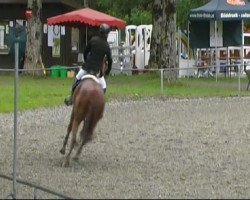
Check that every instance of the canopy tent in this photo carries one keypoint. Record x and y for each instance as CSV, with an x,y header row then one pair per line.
x,y
201,35
219,23
229,13
86,16
225,10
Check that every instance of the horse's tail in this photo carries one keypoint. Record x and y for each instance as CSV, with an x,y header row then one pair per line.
x,y
94,102
93,115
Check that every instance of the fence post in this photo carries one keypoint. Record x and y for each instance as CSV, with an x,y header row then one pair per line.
x,y
161,80
239,74
35,193
15,113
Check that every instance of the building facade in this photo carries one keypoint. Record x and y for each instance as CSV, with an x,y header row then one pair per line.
x,y
60,44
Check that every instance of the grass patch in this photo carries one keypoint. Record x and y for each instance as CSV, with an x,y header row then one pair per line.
x,y
46,92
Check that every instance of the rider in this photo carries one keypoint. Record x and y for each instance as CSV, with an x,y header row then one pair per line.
x,y
95,53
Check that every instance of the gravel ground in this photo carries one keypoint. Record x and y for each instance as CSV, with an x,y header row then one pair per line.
x,y
156,148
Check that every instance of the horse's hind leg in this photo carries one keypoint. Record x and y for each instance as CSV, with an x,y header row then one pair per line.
x,y
73,142
83,133
62,151
86,134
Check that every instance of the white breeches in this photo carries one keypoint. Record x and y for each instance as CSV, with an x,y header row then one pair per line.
x,y
82,72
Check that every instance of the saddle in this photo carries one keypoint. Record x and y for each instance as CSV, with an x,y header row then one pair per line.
x,y
92,72
93,77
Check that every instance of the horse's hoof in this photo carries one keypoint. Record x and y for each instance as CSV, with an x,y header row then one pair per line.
x,y
65,163
62,151
76,144
76,158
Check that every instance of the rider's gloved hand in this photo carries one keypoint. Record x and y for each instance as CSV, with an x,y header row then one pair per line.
x,y
100,74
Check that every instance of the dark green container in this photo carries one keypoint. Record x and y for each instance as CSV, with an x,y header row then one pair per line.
x,y
55,71
63,72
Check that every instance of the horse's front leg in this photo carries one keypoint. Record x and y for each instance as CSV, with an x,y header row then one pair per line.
x,y
62,151
72,145
67,159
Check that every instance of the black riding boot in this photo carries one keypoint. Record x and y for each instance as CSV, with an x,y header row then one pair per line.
x,y
69,101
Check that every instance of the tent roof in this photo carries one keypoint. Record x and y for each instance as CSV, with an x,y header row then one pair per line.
x,y
86,16
222,10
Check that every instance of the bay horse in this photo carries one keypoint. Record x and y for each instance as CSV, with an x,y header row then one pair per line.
x,y
88,107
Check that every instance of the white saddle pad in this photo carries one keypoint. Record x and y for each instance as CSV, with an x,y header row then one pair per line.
x,y
92,77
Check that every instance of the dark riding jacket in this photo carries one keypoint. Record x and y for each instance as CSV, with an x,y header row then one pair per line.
x,y
94,54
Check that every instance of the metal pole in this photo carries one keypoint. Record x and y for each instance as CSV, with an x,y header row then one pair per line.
x,y
216,51
36,187
35,193
241,67
15,115
161,80
179,49
239,72
144,55
188,47
86,35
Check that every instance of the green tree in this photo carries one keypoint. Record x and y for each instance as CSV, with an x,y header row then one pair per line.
x,y
86,3
163,43
164,15
183,9
138,12
34,39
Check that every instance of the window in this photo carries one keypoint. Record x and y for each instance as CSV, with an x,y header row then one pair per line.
x,y
75,39
4,37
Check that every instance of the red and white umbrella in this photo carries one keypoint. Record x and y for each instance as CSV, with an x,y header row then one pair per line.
x,y
86,16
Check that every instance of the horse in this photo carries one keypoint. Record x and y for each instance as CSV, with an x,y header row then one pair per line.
x,y
88,107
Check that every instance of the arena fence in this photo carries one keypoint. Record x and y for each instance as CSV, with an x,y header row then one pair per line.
x,y
35,187
239,72
14,178
116,70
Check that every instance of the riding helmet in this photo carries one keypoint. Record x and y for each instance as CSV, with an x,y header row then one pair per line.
x,y
104,29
